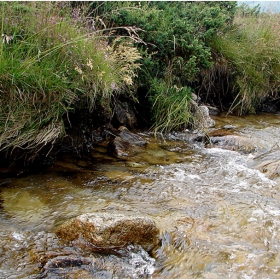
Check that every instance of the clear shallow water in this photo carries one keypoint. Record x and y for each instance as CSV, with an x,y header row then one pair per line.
x,y
219,216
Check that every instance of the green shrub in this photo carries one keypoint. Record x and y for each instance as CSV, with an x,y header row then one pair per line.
x,y
176,36
171,31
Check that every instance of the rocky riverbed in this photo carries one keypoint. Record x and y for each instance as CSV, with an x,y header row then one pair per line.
x,y
206,203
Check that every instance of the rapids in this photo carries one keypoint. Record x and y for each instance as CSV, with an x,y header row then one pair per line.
x,y
218,213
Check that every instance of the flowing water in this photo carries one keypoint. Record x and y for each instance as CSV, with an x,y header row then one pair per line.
x,y
219,214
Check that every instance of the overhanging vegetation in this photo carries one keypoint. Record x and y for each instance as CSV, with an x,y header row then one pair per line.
x,y
58,57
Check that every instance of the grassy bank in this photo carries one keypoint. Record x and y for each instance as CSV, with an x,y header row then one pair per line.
x,y
60,57
249,53
53,60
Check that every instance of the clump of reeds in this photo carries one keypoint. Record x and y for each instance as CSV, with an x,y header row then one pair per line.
x,y
252,52
171,106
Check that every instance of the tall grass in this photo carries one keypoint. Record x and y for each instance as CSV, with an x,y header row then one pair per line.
x,y
171,106
252,54
52,62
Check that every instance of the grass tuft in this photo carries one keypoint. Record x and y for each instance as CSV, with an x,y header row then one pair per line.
x,y
171,106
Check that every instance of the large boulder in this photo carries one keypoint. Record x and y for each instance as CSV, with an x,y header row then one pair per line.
x,y
109,230
202,117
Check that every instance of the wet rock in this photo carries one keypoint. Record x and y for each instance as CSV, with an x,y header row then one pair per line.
x,y
70,267
67,261
119,148
131,138
108,231
202,118
124,114
122,146
234,143
271,168
269,163
213,111
188,137
109,132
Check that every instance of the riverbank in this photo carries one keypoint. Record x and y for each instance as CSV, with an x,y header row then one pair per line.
x,y
85,68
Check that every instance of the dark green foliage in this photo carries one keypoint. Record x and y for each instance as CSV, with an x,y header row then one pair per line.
x,y
173,31
176,34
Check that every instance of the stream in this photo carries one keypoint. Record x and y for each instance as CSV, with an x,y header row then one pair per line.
x,y
218,209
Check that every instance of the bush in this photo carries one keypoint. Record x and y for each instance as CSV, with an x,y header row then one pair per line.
x,y
176,36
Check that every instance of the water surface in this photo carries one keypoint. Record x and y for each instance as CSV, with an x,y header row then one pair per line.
x,y
219,215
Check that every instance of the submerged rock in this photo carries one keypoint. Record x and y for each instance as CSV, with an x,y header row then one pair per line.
x,y
271,168
269,163
234,143
108,231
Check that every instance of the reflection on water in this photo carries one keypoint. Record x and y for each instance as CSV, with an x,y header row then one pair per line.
x,y
219,216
